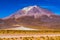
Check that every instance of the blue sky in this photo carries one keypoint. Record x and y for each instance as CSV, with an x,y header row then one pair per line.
x,y
8,7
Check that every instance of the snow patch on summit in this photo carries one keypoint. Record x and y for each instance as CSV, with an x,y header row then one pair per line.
x,y
26,9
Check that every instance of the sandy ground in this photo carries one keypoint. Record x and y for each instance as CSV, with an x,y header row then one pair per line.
x,y
20,28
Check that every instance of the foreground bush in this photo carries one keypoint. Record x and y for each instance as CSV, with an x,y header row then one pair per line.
x,y
34,38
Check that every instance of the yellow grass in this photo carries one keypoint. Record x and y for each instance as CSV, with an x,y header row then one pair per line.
x,y
26,33
30,31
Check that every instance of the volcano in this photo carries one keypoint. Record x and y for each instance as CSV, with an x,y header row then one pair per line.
x,y
35,11
33,17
